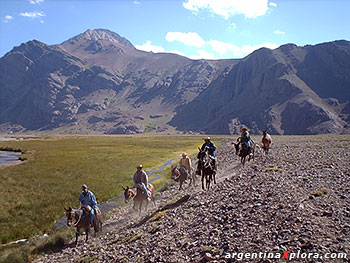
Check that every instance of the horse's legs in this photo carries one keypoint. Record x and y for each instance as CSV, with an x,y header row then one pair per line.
x,y
77,235
243,160
87,234
203,181
140,206
180,185
208,176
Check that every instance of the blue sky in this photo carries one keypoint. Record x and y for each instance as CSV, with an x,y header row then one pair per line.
x,y
209,29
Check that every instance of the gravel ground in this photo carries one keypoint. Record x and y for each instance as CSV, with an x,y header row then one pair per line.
x,y
295,199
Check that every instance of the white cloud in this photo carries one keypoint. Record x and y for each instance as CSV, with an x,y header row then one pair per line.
x,y
236,51
176,52
273,4
222,47
33,15
7,18
149,47
279,32
247,49
203,55
156,49
189,39
34,2
136,2
227,8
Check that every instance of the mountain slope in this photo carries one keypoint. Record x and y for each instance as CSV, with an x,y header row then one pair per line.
x,y
268,89
98,82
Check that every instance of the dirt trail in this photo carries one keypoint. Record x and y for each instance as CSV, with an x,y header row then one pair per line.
x,y
296,199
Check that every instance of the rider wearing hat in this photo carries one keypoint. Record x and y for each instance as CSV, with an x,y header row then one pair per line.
x,y
245,139
208,144
245,136
185,163
87,198
140,177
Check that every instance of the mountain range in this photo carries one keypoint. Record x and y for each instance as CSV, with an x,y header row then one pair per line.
x,y
99,83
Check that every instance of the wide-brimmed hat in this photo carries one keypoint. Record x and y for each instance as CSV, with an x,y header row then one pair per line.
x,y
139,166
244,129
84,186
206,138
183,154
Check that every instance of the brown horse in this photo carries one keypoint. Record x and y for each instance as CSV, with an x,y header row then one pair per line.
x,y
180,175
82,221
266,141
138,195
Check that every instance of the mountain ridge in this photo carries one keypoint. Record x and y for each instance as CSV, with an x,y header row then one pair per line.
x,y
98,82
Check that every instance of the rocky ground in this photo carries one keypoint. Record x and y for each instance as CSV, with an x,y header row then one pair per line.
x,y
296,199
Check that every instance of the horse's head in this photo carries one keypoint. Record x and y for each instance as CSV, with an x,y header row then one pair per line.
x,y
264,132
70,214
174,172
202,154
127,194
236,145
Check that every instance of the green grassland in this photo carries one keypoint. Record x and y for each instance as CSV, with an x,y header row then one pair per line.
x,y
34,193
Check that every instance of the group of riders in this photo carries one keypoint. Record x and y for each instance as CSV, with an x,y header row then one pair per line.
x,y
140,177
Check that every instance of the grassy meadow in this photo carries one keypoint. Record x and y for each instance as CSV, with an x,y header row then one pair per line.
x,y
34,193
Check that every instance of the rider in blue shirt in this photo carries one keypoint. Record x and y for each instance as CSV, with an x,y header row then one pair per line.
x,y
88,198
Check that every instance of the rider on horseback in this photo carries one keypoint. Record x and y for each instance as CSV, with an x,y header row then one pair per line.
x,y
185,163
87,198
141,178
245,141
210,146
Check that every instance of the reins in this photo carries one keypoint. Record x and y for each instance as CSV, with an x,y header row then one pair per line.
x,y
78,221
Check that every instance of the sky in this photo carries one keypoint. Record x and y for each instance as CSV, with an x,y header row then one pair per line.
x,y
210,29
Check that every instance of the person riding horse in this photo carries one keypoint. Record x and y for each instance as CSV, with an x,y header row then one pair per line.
x,y
210,146
87,198
186,165
140,177
245,141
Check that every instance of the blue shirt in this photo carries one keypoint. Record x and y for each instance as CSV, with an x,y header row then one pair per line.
x,y
88,199
245,138
211,146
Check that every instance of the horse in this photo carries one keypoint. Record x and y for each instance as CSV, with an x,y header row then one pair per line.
x,y
206,167
82,221
245,151
138,195
266,141
180,175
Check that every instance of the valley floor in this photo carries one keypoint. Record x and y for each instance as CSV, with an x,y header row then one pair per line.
x,y
296,199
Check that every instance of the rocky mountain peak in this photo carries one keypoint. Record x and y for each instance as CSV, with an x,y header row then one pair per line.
x,y
100,34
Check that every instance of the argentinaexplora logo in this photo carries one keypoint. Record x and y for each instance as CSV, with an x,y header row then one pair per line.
x,y
286,254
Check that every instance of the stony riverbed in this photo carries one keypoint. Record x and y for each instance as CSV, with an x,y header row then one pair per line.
x,y
295,199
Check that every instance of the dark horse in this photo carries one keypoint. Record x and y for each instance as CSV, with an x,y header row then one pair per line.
x,y
82,221
206,167
244,151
